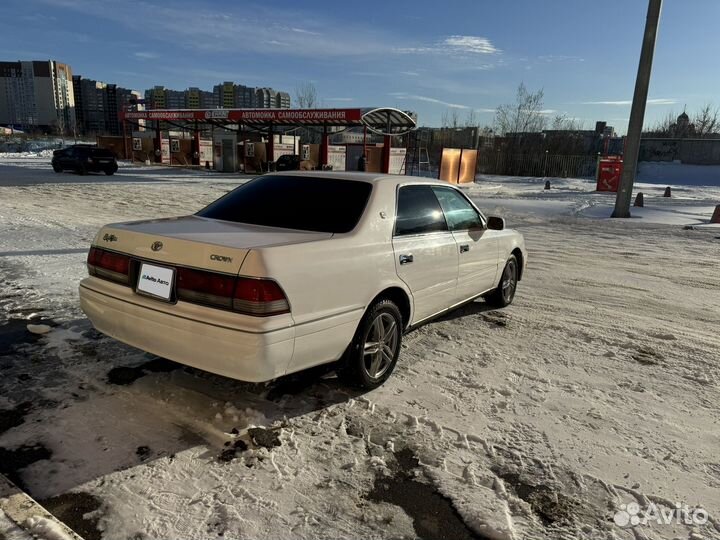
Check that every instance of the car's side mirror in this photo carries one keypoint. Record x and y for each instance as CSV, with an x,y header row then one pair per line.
x,y
496,223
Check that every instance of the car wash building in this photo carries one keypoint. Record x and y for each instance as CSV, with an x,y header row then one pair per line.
x,y
252,140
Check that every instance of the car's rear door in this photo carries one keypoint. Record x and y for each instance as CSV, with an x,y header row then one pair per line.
x,y
65,158
426,254
478,247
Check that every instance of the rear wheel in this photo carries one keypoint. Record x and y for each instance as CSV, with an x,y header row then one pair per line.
x,y
373,353
109,172
505,292
82,170
57,169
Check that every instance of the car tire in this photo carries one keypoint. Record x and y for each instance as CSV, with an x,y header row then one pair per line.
x,y
109,172
57,169
504,294
367,367
82,170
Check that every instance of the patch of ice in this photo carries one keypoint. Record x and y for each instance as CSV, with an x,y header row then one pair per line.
x,y
38,328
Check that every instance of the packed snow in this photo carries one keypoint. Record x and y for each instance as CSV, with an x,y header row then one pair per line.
x,y
597,389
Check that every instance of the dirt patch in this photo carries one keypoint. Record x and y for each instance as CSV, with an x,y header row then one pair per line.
x,y
73,510
550,505
647,356
495,318
13,333
14,460
125,375
10,418
434,517
267,438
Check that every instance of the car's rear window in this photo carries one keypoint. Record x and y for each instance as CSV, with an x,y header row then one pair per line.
x,y
294,202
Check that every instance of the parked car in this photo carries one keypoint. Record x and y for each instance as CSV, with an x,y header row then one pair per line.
x,y
288,162
294,270
84,158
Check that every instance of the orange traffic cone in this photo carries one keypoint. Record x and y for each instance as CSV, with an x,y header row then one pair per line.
x,y
639,200
716,215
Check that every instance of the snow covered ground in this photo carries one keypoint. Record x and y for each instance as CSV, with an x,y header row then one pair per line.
x,y
597,389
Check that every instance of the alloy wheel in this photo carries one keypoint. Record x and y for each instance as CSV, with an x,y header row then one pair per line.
x,y
381,344
509,281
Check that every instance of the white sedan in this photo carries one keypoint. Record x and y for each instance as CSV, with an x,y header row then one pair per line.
x,y
294,270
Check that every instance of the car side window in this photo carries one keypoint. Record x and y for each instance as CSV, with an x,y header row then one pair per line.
x,y
459,213
418,212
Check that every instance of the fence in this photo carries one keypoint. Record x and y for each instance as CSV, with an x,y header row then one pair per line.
x,y
490,162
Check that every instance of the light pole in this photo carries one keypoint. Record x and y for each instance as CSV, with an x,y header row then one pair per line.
x,y
637,112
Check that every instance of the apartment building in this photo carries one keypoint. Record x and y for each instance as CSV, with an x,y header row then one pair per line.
x,y
37,96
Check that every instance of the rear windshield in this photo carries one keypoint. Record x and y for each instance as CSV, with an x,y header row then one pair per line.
x,y
294,202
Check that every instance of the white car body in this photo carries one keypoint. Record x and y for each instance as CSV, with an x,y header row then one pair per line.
x,y
329,279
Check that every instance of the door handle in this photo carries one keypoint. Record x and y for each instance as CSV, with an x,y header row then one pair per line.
x,y
464,248
406,259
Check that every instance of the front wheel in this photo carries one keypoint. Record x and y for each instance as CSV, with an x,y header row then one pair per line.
x,y
57,169
373,352
503,295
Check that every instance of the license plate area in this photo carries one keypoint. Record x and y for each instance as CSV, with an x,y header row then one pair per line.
x,y
155,281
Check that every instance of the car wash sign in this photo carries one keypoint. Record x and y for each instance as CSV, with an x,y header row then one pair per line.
x,y
269,116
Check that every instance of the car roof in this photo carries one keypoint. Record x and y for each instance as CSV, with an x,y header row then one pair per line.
x,y
368,177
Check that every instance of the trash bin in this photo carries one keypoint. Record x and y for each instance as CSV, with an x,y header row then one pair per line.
x,y
609,173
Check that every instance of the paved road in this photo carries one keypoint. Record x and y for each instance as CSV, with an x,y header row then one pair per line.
x,y
34,171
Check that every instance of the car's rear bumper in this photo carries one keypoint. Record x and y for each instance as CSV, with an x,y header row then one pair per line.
x,y
197,336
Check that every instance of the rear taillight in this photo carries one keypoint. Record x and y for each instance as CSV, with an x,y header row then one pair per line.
x,y
259,297
205,287
108,265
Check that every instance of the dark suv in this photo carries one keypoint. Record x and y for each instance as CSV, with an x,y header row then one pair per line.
x,y
84,158
288,162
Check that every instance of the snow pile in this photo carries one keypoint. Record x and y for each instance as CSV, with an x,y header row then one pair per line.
x,y
10,531
524,200
7,156
46,529
675,173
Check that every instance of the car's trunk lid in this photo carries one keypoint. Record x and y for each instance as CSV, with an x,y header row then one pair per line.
x,y
197,242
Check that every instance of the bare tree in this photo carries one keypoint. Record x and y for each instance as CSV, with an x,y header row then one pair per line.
x,y
664,128
523,116
450,119
563,122
472,120
706,121
306,96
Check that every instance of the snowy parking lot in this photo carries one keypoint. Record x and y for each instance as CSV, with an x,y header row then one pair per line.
x,y
595,394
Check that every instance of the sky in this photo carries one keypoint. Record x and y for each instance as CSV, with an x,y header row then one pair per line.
x,y
435,58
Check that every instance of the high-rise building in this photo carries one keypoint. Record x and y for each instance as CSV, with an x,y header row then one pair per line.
x,y
200,99
37,95
282,100
227,95
98,105
266,98
155,98
245,97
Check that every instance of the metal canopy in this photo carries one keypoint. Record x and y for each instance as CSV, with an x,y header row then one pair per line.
x,y
388,121
382,120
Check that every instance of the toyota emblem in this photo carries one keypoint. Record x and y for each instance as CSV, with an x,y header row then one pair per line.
x,y
156,246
